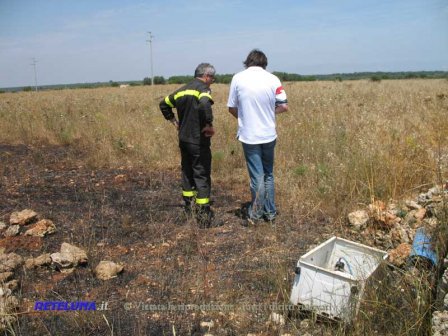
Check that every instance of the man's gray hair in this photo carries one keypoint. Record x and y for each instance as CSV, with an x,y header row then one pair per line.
x,y
204,69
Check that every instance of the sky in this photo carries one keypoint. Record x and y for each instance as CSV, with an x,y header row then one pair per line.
x,y
85,41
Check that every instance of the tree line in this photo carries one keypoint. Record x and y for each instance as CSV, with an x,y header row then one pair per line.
x,y
292,77
227,78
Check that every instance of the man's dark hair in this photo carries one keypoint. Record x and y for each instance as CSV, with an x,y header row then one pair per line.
x,y
204,69
256,58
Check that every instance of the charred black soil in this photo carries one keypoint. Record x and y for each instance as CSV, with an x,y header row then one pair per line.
x,y
134,217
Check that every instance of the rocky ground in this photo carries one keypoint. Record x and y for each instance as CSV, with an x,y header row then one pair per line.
x,y
117,237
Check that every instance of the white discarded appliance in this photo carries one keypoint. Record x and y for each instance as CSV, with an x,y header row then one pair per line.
x,y
330,279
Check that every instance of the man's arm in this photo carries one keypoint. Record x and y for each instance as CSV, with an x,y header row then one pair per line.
x,y
233,111
281,108
166,107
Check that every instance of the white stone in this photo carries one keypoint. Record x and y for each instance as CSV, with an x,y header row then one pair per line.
x,y
22,217
277,319
12,231
358,218
107,270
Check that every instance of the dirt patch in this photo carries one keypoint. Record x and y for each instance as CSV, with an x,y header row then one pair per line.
x,y
135,218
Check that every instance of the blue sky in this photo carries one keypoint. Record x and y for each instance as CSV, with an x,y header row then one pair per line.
x,y
77,41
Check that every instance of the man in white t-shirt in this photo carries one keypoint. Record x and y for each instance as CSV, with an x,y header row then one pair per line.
x,y
255,97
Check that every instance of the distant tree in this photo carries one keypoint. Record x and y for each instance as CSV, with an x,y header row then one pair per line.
x,y
114,84
27,89
159,80
224,79
180,79
146,81
375,78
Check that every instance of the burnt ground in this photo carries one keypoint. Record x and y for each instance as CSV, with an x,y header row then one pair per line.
x,y
135,218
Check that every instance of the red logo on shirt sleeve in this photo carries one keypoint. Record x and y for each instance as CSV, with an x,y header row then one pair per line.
x,y
279,90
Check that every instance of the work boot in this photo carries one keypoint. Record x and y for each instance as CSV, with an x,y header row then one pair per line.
x,y
189,206
206,217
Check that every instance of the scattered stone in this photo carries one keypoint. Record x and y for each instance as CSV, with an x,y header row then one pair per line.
x,y
9,262
79,255
22,217
277,319
41,228
62,260
3,225
399,235
391,219
358,218
413,205
107,270
69,257
5,276
209,324
42,260
410,219
12,231
399,255
420,214
11,285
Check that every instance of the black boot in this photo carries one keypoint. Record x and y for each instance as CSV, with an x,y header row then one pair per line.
x,y
206,217
189,206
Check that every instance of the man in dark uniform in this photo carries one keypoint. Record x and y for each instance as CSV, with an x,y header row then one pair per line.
x,y
193,103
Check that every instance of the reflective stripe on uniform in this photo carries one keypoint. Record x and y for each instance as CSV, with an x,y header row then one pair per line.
x,y
168,102
205,94
202,201
188,193
187,93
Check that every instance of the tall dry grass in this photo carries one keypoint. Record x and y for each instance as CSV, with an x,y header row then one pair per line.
x,y
341,143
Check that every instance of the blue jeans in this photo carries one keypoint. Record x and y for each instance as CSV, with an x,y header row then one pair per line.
x,y
260,164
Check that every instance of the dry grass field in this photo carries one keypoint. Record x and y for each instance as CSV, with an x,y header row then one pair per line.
x,y
342,145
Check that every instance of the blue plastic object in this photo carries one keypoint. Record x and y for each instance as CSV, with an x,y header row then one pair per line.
x,y
422,247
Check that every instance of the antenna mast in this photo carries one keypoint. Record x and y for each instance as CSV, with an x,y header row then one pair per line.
x,y
35,72
150,50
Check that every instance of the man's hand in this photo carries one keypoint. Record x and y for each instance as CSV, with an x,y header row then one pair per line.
x,y
175,123
208,131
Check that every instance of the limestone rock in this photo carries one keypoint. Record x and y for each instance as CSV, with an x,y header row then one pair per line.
x,y
42,260
399,255
41,228
79,255
413,205
10,286
63,260
107,270
70,256
5,276
277,319
12,231
3,225
358,218
420,214
22,217
9,262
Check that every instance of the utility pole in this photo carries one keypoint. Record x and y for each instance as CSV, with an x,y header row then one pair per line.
x,y
35,72
150,51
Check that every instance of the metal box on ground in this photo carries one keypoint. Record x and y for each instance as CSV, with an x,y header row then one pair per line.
x,y
330,279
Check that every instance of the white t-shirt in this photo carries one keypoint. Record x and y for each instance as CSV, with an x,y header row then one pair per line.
x,y
255,93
